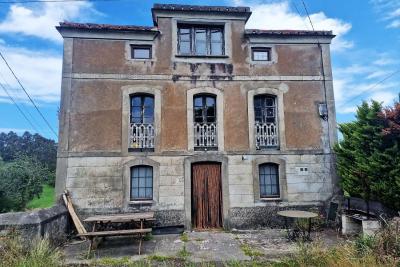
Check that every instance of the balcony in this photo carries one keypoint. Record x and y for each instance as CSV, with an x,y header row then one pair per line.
x,y
205,136
266,135
141,137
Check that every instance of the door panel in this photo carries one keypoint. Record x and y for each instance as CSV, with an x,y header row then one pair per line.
x,y
206,195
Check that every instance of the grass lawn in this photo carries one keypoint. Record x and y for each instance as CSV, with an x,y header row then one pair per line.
x,y
46,199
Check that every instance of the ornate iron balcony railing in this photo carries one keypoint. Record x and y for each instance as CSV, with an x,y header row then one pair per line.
x,y
205,135
266,135
141,136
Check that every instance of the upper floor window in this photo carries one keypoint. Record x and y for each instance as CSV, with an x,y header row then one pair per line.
x,y
266,130
200,40
141,51
269,180
261,53
205,122
142,183
141,133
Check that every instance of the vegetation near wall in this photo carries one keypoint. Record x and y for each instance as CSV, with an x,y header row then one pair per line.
x,y
27,164
368,157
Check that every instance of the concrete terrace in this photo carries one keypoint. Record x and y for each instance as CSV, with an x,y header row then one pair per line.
x,y
197,247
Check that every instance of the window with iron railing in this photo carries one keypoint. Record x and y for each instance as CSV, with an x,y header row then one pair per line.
x,y
141,129
265,125
205,122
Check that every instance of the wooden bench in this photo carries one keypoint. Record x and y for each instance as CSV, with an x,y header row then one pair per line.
x,y
135,232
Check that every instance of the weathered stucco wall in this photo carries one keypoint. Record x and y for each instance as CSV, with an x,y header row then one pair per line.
x,y
93,159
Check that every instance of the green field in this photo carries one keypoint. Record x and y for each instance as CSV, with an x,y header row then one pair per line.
x,y
45,200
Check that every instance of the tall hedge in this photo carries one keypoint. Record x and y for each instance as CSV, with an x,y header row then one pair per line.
x,y
368,157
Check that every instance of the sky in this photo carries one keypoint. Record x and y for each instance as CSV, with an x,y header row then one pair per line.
x,y
365,53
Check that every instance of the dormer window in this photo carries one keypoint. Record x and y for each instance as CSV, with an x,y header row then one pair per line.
x,y
200,40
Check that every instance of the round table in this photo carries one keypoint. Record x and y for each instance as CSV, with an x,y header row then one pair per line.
x,y
293,234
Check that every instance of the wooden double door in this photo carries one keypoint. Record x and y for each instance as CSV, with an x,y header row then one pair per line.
x,y
206,195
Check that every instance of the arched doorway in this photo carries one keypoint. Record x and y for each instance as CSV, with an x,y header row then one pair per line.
x,y
206,195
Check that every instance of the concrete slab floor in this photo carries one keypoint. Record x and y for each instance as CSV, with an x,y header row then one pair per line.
x,y
208,246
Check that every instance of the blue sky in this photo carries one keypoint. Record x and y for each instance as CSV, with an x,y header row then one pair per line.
x,y
365,51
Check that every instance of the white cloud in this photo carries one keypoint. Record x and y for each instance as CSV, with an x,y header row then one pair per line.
x,y
387,98
389,11
39,72
39,20
278,15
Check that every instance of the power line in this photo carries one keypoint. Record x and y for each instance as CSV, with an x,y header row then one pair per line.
x,y
25,108
298,12
53,1
20,110
308,15
31,100
372,86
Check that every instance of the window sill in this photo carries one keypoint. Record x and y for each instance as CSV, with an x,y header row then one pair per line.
x,y
267,199
141,202
202,56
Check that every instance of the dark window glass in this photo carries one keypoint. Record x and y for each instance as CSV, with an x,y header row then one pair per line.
x,y
204,108
142,109
269,180
141,183
261,53
141,52
265,109
200,40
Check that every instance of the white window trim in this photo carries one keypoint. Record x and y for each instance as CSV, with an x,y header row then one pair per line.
x,y
280,120
127,91
220,114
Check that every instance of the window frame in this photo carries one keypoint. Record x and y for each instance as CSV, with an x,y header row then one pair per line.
x,y
261,49
275,107
204,107
142,97
131,198
277,177
192,39
137,46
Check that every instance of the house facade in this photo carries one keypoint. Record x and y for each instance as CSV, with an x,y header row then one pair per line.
x,y
203,121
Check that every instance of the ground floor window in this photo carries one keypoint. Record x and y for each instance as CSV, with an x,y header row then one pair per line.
x,y
269,180
142,183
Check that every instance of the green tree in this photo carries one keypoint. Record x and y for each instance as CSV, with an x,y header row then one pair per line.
x,y
32,145
362,139
20,181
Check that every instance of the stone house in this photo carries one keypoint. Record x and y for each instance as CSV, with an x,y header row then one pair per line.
x,y
203,121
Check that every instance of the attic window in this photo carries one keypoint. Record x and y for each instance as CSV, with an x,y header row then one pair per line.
x,y
200,40
141,51
261,54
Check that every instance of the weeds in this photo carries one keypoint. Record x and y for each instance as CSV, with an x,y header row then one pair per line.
x,y
36,254
160,258
184,237
249,251
148,237
183,253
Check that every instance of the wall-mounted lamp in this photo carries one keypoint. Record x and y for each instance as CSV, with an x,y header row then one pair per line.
x,y
323,111
244,157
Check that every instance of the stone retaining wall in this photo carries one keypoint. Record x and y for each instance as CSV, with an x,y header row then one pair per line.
x,y
51,222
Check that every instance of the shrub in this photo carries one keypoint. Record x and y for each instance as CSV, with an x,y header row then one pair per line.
x,y
37,253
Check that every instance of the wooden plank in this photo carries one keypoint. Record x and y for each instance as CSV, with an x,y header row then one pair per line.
x,y
118,232
78,224
148,216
